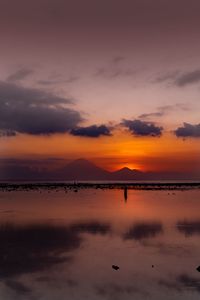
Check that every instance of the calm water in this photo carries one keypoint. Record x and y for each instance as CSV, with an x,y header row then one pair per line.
x,y
57,245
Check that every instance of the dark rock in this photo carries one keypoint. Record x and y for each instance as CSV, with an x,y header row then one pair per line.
x,y
198,268
115,267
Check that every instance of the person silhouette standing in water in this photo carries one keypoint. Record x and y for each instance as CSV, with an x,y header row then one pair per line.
x,y
125,194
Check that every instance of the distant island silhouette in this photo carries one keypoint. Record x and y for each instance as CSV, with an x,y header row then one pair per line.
x,y
85,170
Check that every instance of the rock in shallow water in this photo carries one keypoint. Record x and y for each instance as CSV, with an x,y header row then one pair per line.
x,y
198,268
115,267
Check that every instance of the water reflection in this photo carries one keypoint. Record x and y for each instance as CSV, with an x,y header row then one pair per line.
x,y
117,291
62,246
18,287
125,194
33,248
189,228
91,227
181,283
141,231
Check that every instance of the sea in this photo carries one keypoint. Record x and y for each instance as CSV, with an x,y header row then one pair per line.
x,y
94,241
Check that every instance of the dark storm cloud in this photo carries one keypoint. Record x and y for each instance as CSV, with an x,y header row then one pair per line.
x,y
143,231
34,111
142,128
188,130
20,74
92,131
188,78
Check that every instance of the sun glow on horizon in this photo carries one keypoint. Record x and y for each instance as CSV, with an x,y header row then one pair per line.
x,y
130,166
110,153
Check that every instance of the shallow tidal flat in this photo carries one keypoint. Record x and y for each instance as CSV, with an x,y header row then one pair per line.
x,y
61,241
154,185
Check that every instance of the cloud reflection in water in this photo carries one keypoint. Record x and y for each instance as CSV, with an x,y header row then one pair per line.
x,y
143,230
32,248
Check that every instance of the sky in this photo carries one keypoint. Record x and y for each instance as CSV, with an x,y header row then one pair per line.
x,y
116,82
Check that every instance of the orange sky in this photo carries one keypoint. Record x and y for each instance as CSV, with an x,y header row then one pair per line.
x,y
68,66
166,153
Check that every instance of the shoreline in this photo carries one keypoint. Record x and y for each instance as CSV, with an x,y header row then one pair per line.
x,y
28,186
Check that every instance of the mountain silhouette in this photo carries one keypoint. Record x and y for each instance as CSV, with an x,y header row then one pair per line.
x,y
127,174
84,170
